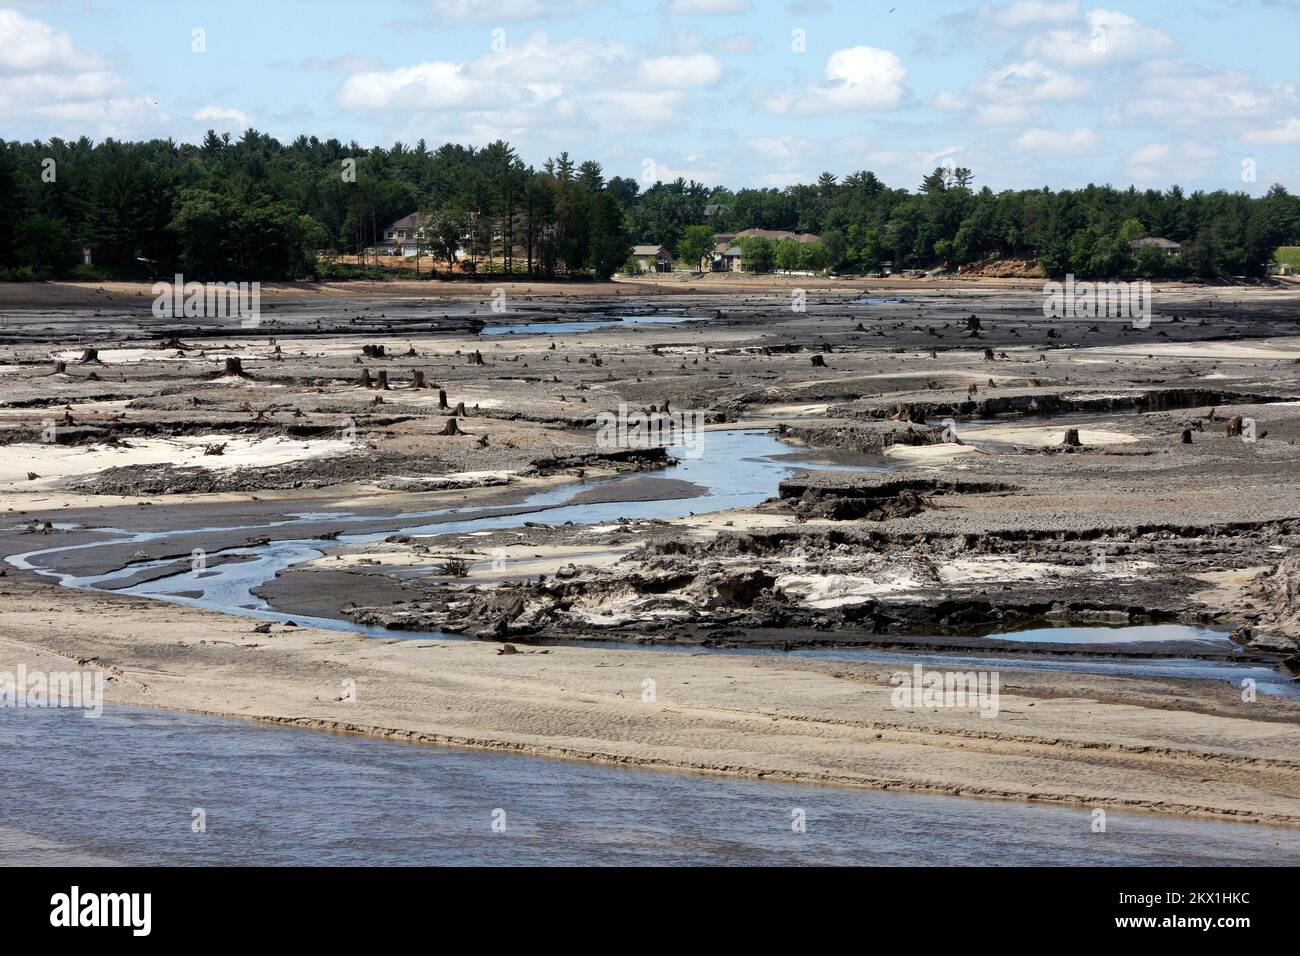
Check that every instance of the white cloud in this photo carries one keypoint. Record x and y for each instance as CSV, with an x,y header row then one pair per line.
x,y
27,44
509,9
1151,153
1029,12
1075,142
859,78
782,147
1108,37
226,118
425,86
1161,163
47,82
694,69
1287,131
1030,80
949,101
1176,92
708,7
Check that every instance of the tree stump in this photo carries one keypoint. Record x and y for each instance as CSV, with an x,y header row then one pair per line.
x,y
988,355
365,378
1071,439
477,358
460,409
819,361
235,366
442,398
88,356
60,368
382,382
417,381
1187,436
1235,426
451,428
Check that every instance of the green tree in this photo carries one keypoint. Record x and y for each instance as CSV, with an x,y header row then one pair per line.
x,y
696,245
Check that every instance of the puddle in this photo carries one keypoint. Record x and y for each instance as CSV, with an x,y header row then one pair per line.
x,y
1115,635
561,328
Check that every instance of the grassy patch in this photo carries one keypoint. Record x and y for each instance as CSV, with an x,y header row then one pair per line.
x,y
1289,255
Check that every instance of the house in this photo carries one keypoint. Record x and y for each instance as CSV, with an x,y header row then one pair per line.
x,y
1170,247
727,248
653,258
726,257
402,236
774,235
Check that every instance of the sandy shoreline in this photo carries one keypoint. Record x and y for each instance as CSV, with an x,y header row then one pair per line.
x,y
1176,747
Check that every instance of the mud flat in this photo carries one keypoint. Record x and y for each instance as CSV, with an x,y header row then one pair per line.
x,y
918,477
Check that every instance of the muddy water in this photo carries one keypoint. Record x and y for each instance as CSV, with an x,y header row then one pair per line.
x,y
278,795
561,328
274,795
740,467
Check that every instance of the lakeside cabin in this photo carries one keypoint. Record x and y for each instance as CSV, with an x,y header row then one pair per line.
x,y
653,258
1170,247
727,245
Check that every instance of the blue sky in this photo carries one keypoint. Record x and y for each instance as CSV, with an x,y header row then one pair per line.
x,y
1031,93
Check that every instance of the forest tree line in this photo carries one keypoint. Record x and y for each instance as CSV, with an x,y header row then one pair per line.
x,y
255,208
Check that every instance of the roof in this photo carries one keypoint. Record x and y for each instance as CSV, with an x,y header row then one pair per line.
x,y
648,250
409,221
1159,241
778,234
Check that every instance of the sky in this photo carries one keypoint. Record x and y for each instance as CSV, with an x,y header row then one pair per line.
x,y
1032,93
